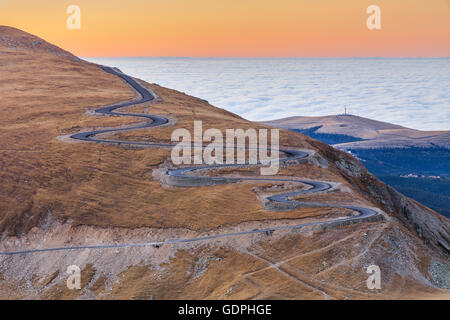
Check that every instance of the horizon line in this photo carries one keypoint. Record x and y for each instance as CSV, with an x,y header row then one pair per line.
x,y
270,57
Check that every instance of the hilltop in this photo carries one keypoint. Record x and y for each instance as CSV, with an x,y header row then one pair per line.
x,y
60,192
15,41
365,133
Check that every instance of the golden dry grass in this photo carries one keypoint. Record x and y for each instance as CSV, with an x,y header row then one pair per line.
x,y
45,96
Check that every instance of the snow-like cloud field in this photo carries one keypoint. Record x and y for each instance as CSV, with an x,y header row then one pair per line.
x,y
410,92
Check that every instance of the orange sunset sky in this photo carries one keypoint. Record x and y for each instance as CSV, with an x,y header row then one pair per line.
x,y
238,28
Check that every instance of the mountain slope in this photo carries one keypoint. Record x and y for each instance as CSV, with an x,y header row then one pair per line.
x,y
59,192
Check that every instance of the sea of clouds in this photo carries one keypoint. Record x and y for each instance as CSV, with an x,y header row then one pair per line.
x,y
411,92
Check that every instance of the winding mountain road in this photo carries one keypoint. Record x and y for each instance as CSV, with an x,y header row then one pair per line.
x,y
284,200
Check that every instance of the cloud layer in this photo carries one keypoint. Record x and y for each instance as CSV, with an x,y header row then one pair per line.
x,y
411,92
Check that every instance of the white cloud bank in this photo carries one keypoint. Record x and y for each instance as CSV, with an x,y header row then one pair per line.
x,y
411,92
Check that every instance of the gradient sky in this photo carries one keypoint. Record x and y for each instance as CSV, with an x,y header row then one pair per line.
x,y
238,28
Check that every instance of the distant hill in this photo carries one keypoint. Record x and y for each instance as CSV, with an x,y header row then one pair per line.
x,y
353,132
389,151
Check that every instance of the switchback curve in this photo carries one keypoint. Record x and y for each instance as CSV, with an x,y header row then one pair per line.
x,y
281,199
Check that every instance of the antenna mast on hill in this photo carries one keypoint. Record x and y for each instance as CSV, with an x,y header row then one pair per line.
x,y
345,110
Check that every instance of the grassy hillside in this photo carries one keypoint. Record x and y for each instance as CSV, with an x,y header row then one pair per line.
x,y
57,192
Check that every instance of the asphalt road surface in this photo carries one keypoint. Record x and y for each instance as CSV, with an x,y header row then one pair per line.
x,y
155,120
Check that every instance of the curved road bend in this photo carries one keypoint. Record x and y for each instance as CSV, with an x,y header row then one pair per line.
x,y
285,198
